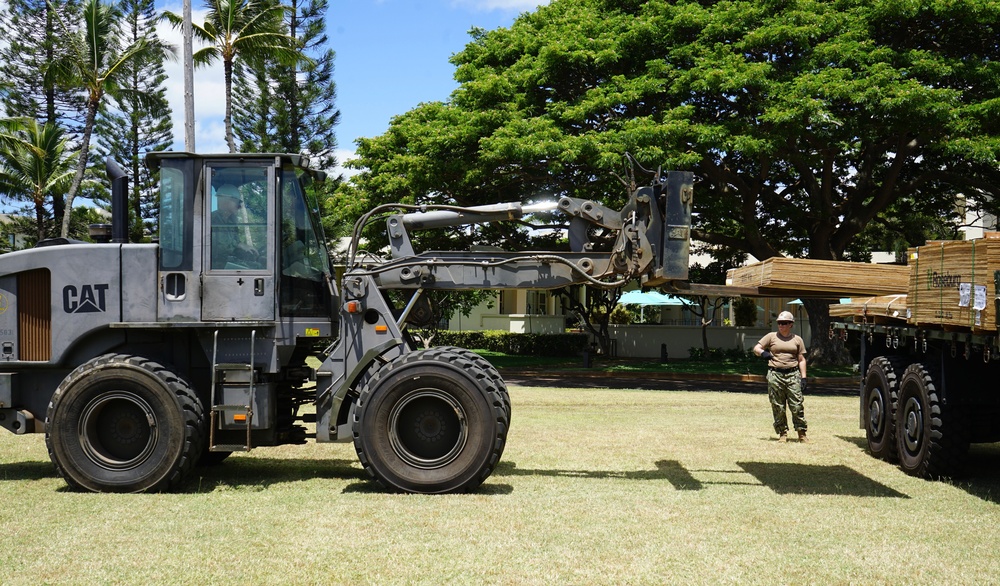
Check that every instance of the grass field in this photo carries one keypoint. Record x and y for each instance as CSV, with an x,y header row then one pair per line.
x,y
742,366
595,487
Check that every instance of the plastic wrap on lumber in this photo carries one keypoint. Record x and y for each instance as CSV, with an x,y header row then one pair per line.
x,y
880,309
945,279
815,278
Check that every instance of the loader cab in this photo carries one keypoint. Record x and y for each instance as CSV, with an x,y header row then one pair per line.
x,y
240,239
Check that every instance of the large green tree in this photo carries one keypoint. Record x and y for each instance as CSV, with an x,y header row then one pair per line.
x,y
805,121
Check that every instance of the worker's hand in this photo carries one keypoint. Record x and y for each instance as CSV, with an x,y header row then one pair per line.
x,y
766,355
246,253
802,384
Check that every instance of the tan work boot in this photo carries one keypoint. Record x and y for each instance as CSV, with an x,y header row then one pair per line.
x,y
783,438
802,437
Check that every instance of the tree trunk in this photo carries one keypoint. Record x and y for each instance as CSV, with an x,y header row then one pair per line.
x,y
188,79
40,217
81,165
823,350
228,67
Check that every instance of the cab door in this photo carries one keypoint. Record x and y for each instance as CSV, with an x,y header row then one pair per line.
x,y
238,256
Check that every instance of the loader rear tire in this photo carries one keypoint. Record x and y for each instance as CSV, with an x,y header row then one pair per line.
x,y
881,397
122,423
430,422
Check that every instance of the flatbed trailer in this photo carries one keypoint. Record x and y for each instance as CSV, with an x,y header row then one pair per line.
x,y
927,393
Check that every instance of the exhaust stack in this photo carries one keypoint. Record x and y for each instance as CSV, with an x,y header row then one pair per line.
x,y
119,201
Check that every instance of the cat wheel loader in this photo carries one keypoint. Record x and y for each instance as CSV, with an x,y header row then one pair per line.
x,y
140,360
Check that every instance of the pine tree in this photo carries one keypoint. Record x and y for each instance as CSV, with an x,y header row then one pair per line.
x,y
131,126
253,112
33,41
295,113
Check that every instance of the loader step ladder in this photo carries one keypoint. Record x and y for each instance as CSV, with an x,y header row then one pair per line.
x,y
231,381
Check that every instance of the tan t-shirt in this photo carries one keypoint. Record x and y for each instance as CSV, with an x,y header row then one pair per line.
x,y
786,350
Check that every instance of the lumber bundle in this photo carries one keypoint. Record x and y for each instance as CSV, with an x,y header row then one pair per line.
x,y
805,277
954,284
880,309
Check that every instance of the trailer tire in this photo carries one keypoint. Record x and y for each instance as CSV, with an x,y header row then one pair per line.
x,y
881,398
430,422
930,436
121,423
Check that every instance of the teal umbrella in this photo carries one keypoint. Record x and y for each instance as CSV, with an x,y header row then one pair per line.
x,y
648,298
642,299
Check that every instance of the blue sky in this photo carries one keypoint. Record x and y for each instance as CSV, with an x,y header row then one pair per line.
x,y
391,56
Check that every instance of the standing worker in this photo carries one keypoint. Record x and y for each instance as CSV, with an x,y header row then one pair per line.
x,y
785,353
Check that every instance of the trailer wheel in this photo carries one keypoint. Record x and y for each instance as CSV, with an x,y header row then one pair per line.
x,y
430,422
881,397
930,436
122,423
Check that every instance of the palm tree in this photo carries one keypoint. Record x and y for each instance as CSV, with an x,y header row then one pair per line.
x,y
36,166
93,64
11,133
250,30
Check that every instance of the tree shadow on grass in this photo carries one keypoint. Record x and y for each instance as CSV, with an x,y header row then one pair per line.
x,y
982,469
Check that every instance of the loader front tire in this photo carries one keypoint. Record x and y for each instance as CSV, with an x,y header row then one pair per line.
x,y
122,423
430,422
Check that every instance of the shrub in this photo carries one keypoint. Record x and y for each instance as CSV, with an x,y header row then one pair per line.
x,y
718,354
621,315
569,344
745,311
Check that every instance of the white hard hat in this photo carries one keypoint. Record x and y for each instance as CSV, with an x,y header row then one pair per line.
x,y
786,316
228,190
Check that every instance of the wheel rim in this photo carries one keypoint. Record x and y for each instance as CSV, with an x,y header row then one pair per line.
x,y
427,428
914,425
876,412
118,431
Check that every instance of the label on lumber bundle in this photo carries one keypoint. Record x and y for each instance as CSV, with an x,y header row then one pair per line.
x,y
952,283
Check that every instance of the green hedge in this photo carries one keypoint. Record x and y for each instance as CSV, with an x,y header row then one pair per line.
x,y
512,343
719,354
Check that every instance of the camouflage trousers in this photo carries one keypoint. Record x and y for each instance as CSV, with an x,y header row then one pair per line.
x,y
785,389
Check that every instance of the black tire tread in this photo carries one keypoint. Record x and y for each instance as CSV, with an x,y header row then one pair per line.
x,y
948,435
486,383
193,413
491,370
889,368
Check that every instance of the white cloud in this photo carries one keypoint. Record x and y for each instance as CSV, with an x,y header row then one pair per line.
x,y
342,156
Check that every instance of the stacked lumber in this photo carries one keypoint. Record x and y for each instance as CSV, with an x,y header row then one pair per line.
x,y
953,284
804,277
880,309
